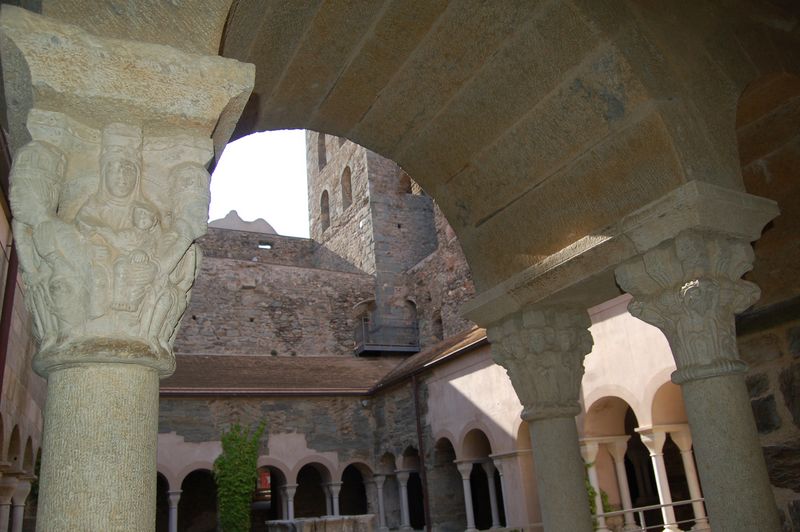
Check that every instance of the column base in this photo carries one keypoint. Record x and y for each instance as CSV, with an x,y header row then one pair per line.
x,y
701,525
631,527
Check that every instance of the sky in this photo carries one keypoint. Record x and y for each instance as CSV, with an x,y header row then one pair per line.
x,y
263,175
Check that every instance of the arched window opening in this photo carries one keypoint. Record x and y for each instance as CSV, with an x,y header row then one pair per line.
x,y
197,508
162,503
405,183
322,156
324,211
311,499
347,188
269,503
353,496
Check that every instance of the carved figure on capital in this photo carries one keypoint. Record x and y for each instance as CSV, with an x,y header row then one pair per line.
x,y
542,351
104,259
691,288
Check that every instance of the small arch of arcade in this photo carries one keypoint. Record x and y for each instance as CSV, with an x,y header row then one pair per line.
x,y
634,464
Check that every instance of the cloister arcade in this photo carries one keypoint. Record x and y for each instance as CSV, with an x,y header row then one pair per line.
x,y
579,150
18,462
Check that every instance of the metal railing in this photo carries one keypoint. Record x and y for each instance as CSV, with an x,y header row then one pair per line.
x,y
391,335
642,525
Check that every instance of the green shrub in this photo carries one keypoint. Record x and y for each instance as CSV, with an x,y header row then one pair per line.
x,y
235,471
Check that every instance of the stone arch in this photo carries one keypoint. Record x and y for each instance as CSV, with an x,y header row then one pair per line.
x,y
28,457
324,211
14,454
311,498
346,185
200,465
197,507
410,462
269,501
447,510
353,497
426,119
322,154
322,464
162,502
169,477
667,406
270,461
475,442
522,442
768,147
606,417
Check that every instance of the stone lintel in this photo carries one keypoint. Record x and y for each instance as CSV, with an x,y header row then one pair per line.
x,y
53,66
582,274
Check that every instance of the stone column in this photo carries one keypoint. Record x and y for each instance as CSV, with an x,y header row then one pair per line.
x,y
465,468
109,191
174,499
379,481
543,349
617,449
683,439
690,287
8,485
654,441
405,519
589,452
326,488
498,464
489,468
335,488
291,489
18,501
284,503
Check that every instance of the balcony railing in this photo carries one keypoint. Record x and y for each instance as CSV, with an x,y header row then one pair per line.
x,y
386,335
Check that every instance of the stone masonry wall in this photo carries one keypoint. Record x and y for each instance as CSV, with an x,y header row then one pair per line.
x,y
440,283
773,381
245,307
350,234
285,250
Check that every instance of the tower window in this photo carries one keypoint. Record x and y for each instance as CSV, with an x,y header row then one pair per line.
x,y
347,188
324,211
322,156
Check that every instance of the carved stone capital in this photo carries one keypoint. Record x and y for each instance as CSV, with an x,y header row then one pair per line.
x,y
542,350
690,287
109,186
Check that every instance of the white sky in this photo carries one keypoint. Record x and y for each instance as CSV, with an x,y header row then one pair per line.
x,y
263,175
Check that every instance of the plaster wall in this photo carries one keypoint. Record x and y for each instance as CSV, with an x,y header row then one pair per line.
x,y
630,360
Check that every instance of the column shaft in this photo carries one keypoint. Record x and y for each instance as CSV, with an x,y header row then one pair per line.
x,y
17,517
465,468
735,481
379,480
589,452
100,434
405,519
489,468
618,450
174,499
5,515
290,491
560,475
664,493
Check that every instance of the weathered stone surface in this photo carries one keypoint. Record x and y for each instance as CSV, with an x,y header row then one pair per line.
x,y
766,414
761,348
790,388
793,335
783,463
794,514
757,385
